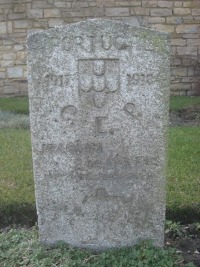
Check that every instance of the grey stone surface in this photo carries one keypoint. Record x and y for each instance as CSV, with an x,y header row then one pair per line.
x,y
98,94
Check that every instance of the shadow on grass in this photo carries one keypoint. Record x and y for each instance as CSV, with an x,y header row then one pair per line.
x,y
184,215
18,214
25,215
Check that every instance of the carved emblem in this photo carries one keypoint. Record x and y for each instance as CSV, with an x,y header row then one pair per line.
x,y
99,78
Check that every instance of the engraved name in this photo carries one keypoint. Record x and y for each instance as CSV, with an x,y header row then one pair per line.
x,y
73,148
91,155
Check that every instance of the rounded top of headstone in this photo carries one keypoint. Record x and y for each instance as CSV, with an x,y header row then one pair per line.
x,y
99,22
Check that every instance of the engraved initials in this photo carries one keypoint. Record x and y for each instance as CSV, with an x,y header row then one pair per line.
x,y
68,114
101,129
130,110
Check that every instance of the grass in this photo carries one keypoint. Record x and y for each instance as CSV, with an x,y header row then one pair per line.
x,y
22,248
180,102
12,120
183,198
15,104
16,177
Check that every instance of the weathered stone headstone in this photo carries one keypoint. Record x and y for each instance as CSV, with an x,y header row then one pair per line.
x,y
99,112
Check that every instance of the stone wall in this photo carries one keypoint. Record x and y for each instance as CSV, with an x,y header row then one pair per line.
x,y
180,18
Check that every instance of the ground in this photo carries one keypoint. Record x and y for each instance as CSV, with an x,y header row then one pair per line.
x,y
186,240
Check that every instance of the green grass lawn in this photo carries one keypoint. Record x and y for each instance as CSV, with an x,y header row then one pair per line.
x,y
183,172
17,201
22,248
16,166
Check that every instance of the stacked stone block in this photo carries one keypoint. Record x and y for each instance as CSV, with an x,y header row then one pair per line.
x,y
179,18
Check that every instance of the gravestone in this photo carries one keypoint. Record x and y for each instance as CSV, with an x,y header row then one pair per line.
x,y
98,94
